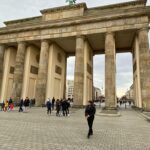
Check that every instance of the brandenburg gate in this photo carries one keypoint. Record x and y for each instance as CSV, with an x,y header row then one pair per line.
x,y
33,51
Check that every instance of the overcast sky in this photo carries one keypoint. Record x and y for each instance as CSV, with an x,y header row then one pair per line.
x,y
16,9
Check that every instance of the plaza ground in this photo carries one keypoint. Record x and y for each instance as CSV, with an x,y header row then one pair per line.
x,y
36,130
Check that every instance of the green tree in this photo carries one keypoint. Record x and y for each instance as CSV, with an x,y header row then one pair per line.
x,y
71,2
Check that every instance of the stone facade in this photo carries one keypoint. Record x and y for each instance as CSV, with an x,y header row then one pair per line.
x,y
144,59
2,50
19,70
110,71
79,71
42,73
80,31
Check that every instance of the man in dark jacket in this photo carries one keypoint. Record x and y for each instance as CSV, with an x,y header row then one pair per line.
x,y
49,105
64,107
53,103
89,114
21,105
57,107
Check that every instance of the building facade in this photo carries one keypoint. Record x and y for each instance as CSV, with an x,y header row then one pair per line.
x,y
97,93
69,89
130,93
33,51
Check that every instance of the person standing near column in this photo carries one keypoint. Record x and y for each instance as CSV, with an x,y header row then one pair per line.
x,y
48,105
53,103
90,111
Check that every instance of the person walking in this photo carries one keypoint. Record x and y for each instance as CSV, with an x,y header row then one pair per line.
x,y
25,104
6,106
21,105
57,107
3,106
67,105
64,107
53,103
90,111
48,105
10,103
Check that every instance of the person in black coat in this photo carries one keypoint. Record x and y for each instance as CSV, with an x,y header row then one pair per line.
x,y
64,107
53,103
58,107
49,105
21,105
89,114
68,105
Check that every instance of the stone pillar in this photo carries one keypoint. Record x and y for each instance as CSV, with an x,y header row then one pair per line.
x,y
110,71
42,74
19,71
144,67
65,74
79,72
2,49
136,74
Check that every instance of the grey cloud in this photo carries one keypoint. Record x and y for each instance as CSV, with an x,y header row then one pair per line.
x,y
124,63
70,67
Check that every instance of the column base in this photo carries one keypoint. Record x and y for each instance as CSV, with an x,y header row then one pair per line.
x,y
110,111
39,104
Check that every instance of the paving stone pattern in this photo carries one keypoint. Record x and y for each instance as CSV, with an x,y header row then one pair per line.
x,y
36,130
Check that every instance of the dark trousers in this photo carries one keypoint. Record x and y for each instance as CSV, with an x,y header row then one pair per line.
x,y
20,109
65,112
48,110
90,124
57,112
52,106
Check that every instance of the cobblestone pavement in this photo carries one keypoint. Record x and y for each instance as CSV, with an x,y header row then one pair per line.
x,y
36,130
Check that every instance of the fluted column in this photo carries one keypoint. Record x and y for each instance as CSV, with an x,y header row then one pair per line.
x,y
110,71
144,67
19,70
42,74
65,73
79,71
2,49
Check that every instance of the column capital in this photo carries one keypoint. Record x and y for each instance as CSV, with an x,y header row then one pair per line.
x,y
142,29
45,40
21,42
81,36
110,33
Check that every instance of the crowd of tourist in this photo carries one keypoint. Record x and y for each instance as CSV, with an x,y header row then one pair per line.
x,y
7,105
61,106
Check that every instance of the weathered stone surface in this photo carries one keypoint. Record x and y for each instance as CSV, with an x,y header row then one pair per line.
x,y
19,70
2,50
42,74
110,71
57,30
79,71
65,76
144,59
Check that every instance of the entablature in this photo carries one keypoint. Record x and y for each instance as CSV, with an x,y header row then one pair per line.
x,y
79,13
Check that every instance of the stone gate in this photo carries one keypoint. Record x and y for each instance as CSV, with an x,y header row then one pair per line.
x,y
33,51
